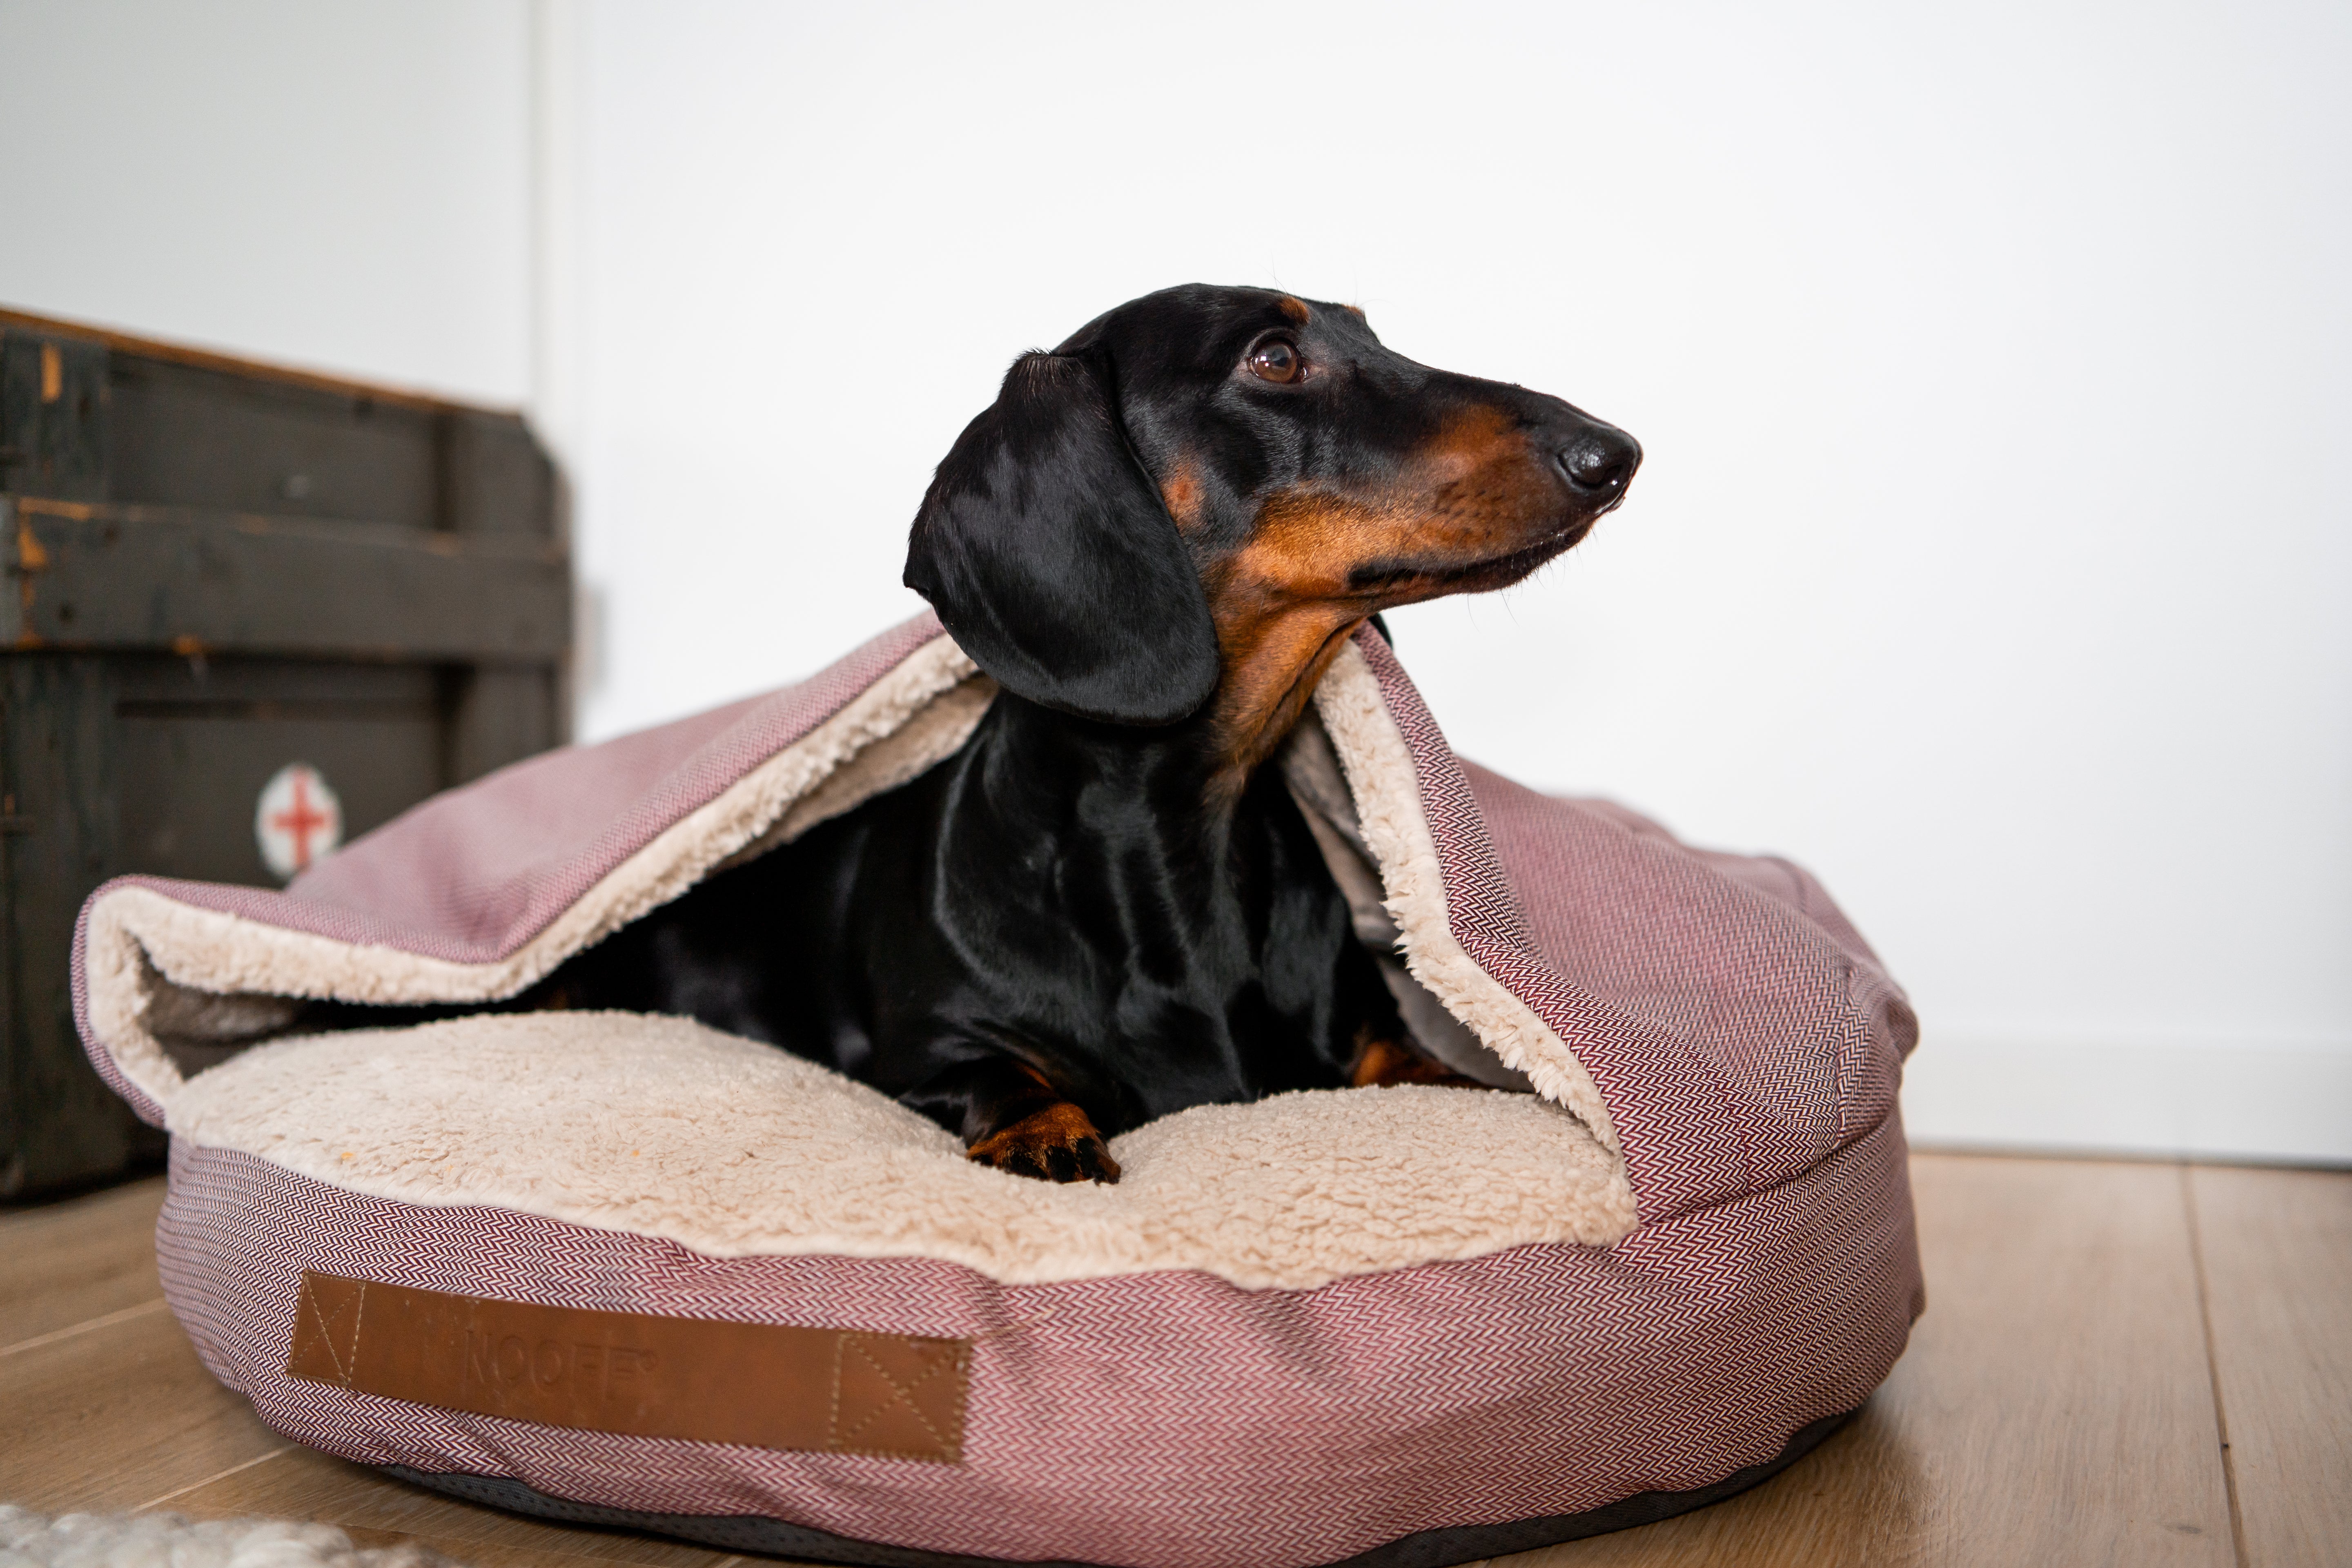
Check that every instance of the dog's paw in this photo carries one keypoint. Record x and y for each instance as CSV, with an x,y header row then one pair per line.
x,y
1381,1062
1055,1145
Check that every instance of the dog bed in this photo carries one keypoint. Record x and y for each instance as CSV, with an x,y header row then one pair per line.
x,y
628,1270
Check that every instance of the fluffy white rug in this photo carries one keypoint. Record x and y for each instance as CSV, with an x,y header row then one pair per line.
x,y
28,1539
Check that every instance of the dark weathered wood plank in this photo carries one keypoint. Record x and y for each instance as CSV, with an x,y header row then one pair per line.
x,y
161,350
159,501
87,415
380,749
2277,1250
53,414
60,787
501,714
497,479
164,578
227,440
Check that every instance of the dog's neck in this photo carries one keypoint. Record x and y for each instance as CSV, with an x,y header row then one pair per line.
x,y
1273,663
1177,783
1173,793
1163,800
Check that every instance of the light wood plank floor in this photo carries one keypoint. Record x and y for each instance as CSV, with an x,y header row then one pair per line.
x,y
2121,1363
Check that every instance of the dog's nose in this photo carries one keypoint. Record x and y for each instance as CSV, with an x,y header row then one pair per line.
x,y
1600,461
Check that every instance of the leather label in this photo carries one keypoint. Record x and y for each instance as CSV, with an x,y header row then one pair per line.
x,y
832,1390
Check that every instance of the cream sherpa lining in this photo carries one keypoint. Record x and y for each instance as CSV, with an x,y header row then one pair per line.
x,y
1380,772
659,1126
1331,1183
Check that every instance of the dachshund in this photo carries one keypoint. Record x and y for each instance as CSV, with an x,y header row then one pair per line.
x,y
1103,908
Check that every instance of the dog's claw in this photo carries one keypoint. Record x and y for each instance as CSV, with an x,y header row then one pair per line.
x,y
1055,1145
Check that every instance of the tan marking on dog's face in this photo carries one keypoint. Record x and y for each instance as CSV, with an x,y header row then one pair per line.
x,y
1475,491
1180,491
1286,600
1296,310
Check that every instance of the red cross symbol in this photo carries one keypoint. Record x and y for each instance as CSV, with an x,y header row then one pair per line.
x,y
300,819
297,819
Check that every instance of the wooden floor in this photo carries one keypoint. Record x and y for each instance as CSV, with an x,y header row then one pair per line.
x,y
2121,1363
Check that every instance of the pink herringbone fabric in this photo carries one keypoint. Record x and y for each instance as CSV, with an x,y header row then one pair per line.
x,y
1164,1420
1745,1038
1738,1028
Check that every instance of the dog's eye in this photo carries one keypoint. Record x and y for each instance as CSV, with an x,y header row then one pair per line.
x,y
1275,360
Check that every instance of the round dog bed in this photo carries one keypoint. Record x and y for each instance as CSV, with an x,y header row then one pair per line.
x,y
628,1270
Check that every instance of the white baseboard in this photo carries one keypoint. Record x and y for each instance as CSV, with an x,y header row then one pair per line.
x,y
2267,1104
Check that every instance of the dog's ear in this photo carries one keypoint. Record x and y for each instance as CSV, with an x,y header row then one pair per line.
x,y
1052,560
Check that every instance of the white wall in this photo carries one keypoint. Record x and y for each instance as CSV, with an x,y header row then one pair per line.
x,y
335,186
1994,547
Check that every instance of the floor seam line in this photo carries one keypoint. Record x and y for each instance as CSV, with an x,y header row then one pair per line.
x,y
88,1325
2212,1363
196,1486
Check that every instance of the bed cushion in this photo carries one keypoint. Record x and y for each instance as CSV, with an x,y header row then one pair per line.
x,y
629,1270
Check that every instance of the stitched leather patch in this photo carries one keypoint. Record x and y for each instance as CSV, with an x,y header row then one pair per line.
x,y
811,1389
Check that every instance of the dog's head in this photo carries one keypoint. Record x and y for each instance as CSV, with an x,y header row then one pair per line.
x,y
1213,488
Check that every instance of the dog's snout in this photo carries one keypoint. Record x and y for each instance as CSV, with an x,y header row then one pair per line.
x,y
1600,462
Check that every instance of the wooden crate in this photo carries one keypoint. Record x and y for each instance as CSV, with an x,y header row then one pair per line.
x,y
214,569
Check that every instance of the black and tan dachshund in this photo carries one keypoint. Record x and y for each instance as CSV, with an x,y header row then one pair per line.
x,y
1101,909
